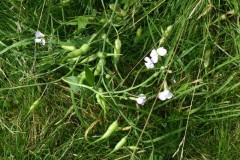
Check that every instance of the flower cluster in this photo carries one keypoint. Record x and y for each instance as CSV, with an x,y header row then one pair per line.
x,y
39,37
149,63
155,53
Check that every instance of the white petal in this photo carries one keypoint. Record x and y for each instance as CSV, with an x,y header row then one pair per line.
x,y
37,40
39,34
141,99
43,41
149,65
162,96
169,95
147,59
154,59
162,51
153,53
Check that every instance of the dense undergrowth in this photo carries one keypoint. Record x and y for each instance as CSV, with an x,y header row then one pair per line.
x,y
58,99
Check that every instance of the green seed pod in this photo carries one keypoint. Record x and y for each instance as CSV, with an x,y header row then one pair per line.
x,y
139,32
82,77
133,147
68,48
101,55
101,101
109,132
89,59
108,76
168,31
117,51
118,43
98,69
34,105
78,52
138,35
85,48
162,41
206,58
120,144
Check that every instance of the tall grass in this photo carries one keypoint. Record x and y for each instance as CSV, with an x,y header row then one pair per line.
x,y
53,106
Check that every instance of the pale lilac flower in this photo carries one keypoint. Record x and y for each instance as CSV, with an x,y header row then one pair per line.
x,y
162,51
166,94
141,99
148,63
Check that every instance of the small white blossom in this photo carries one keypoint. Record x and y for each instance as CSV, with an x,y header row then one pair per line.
x,y
166,94
154,56
39,37
162,51
39,34
141,99
148,63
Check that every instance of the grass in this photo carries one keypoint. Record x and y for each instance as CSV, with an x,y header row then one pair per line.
x,y
52,107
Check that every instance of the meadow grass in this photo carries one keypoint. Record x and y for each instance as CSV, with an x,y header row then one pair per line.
x,y
57,104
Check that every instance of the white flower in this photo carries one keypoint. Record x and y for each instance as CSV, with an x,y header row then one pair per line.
x,y
39,37
154,56
39,34
162,51
166,94
38,40
141,99
148,63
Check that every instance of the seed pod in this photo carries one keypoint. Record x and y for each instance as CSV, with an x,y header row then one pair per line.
x,y
82,77
168,31
138,35
117,51
109,131
78,52
108,76
162,41
133,147
101,101
88,59
120,144
68,47
98,69
139,32
34,105
206,58
101,55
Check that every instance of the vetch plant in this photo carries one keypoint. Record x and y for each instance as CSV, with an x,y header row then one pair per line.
x,y
141,99
39,37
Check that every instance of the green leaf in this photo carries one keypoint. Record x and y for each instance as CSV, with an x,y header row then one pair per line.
x,y
82,22
89,75
71,80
